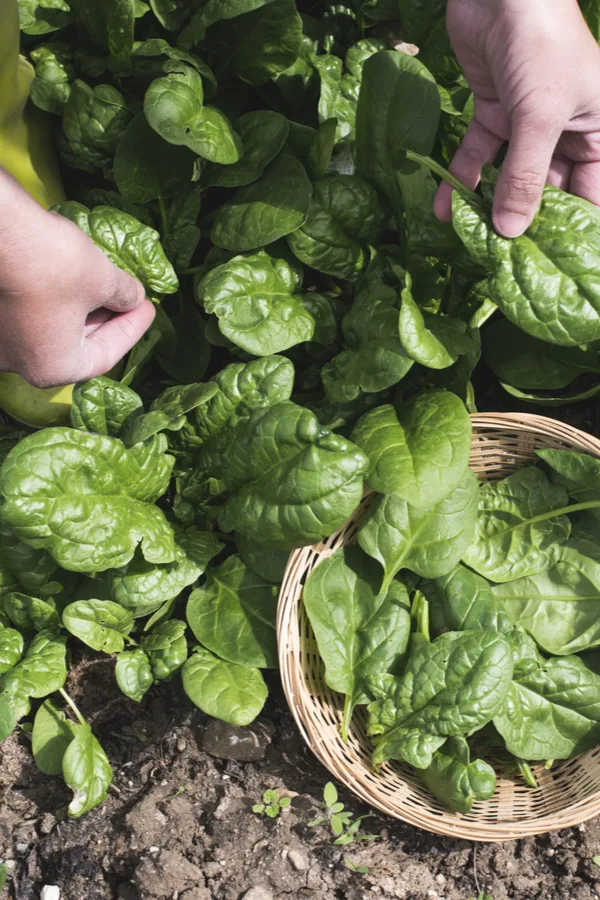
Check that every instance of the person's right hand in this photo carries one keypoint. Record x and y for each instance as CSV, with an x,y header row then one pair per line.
x,y
534,69
67,313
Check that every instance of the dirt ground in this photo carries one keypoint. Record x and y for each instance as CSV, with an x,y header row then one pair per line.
x,y
178,822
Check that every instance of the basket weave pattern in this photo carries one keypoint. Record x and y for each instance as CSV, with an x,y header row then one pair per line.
x,y
566,795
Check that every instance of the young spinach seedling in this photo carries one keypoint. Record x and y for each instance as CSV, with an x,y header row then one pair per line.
x,y
362,870
341,821
271,805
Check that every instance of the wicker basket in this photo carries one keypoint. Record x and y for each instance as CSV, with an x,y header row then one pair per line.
x,y
567,794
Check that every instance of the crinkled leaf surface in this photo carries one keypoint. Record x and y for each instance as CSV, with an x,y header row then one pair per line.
x,y
456,780
86,771
290,480
257,303
452,686
167,649
103,405
268,563
233,615
263,134
41,672
462,600
11,648
30,613
224,690
101,624
146,166
429,542
133,674
509,543
169,412
94,119
43,17
86,499
433,341
420,453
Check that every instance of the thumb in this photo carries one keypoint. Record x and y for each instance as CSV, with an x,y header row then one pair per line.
x,y
104,347
122,292
524,173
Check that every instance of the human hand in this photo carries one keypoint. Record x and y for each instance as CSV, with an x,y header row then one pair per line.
x,y
67,313
534,69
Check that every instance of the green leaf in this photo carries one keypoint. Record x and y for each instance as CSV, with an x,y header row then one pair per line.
x,y
291,481
233,614
133,674
262,133
261,43
360,632
218,10
146,167
421,453
320,149
374,358
90,502
102,406
579,473
101,624
32,571
143,587
256,302
509,541
450,687
86,771
3,875
456,781
271,208
461,600
337,826
52,733
129,244
552,710
174,108
526,362
54,71
270,564
429,542
30,613
431,340
392,81
94,119
258,808
419,17
549,400
549,262
344,216
43,16
168,412
192,350
221,689
425,234
167,649
11,648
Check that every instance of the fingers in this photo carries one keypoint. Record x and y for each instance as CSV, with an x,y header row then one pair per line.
x,y
585,181
479,146
559,174
524,173
107,344
122,292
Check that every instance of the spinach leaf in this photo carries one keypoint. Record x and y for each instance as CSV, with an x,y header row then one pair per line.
x,y
233,615
266,210
516,533
43,16
86,499
450,687
168,413
129,244
94,119
86,771
11,648
461,600
542,280
290,480
102,406
101,624
54,72
268,563
233,693
552,710
456,781
256,301
33,571
166,647
52,733
41,672
360,632
429,542
30,613
420,453
579,473
320,149
133,674
147,167
262,133
431,340
344,216
420,17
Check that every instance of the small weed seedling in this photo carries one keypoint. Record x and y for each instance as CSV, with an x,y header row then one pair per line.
x,y
596,859
341,821
3,875
482,896
271,805
362,870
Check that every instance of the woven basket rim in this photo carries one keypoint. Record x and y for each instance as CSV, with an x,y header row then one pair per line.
x,y
392,791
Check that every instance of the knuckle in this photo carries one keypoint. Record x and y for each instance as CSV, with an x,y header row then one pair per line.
x,y
522,189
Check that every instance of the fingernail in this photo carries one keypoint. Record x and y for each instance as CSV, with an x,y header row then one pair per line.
x,y
510,224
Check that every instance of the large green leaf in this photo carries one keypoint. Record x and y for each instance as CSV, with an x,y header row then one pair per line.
x,y
542,281
455,780
101,624
515,533
268,563
30,613
360,632
431,340
224,690
42,671
256,302
134,674
578,472
52,733
233,614
147,167
166,647
102,406
43,16
260,213
451,687
86,499
420,453
263,134
462,600
344,216
552,710
429,542
54,72
86,771
11,648
94,119
290,480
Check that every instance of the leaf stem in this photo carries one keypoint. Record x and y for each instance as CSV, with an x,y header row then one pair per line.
x,y
444,174
348,710
163,215
71,703
564,511
525,770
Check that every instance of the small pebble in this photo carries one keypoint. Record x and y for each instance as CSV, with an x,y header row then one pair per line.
x,y
50,892
153,849
582,826
259,893
181,745
440,879
21,848
244,744
298,860
550,851
47,823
